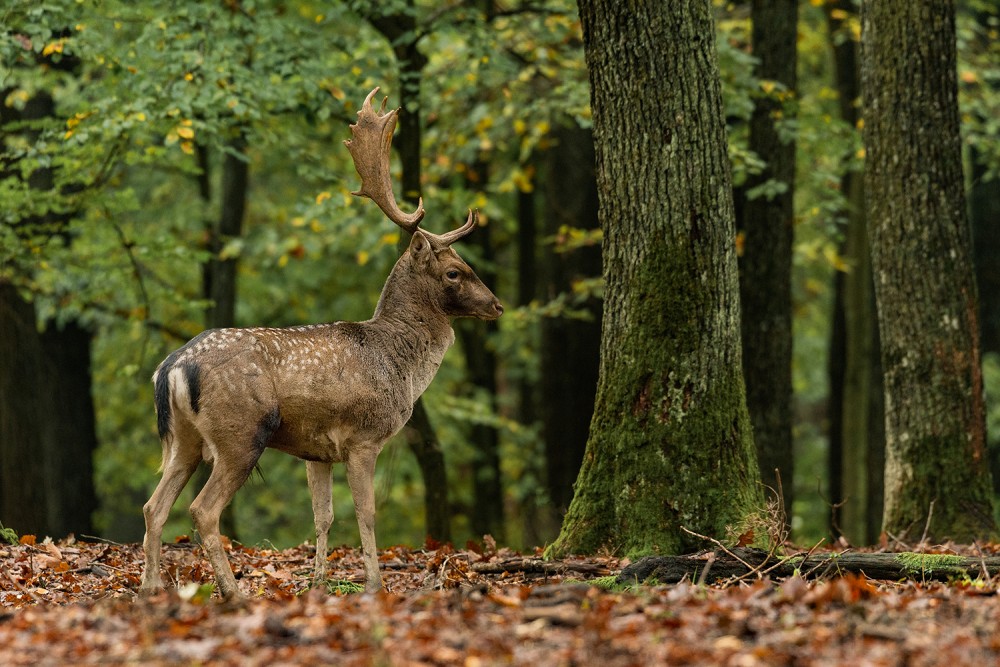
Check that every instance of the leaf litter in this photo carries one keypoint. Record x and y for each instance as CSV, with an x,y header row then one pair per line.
x,y
75,602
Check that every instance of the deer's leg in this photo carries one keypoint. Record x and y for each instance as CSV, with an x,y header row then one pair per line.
x,y
226,478
320,488
361,478
180,459
235,443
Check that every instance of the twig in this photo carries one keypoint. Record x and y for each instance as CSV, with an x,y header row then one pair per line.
x,y
704,571
101,540
982,560
22,588
927,526
720,545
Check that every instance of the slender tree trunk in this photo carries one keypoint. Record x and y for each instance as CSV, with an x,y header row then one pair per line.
x,y
936,472
570,347
219,274
400,31
539,523
857,439
481,368
670,443
766,266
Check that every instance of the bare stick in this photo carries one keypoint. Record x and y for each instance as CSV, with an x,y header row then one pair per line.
x,y
721,546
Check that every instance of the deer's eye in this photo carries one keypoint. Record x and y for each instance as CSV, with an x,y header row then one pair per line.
x,y
452,275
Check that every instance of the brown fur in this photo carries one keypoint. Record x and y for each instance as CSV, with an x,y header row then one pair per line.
x,y
326,393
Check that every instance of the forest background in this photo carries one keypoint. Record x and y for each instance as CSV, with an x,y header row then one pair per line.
x,y
167,169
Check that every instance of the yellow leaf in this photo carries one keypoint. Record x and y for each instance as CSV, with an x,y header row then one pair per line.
x,y
315,226
185,133
767,86
298,221
322,197
860,154
968,76
484,124
189,76
283,260
362,257
838,14
187,147
520,126
53,47
390,238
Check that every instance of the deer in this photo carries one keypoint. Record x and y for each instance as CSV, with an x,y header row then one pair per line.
x,y
325,393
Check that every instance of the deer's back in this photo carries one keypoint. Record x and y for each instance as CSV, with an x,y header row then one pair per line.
x,y
333,385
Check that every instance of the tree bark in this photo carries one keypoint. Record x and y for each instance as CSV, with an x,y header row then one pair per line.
x,y
922,262
721,565
857,432
570,347
670,443
400,31
766,265
47,426
481,368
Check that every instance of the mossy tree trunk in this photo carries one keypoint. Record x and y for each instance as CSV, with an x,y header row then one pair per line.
x,y
922,263
670,442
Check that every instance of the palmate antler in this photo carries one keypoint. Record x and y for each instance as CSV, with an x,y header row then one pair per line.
x,y
369,146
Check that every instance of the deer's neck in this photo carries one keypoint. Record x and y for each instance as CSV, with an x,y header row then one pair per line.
x,y
404,309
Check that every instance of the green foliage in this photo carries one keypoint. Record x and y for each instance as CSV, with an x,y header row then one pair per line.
x,y
147,99
8,535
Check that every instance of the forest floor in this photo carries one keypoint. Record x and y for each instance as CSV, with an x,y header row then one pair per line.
x,y
74,602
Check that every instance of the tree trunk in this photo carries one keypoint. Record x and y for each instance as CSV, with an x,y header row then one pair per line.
x,y
670,442
570,347
400,31
766,265
481,369
936,474
857,440
47,427
219,274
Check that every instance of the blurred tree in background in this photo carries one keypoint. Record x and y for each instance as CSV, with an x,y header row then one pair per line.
x,y
132,133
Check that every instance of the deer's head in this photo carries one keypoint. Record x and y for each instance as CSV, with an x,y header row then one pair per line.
x,y
445,280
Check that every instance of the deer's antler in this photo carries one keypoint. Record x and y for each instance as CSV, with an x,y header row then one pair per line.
x,y
372,138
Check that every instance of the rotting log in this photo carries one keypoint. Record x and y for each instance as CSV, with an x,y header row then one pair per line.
x,y
737,563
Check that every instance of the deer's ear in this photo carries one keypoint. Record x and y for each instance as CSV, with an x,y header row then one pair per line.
x,y
420,247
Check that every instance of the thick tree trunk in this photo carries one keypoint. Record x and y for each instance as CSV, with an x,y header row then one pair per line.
x,y
766,265
570,347
857,438
670,443
922,262
47,429
23,488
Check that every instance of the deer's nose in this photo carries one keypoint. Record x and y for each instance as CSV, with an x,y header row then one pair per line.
x,y
498,307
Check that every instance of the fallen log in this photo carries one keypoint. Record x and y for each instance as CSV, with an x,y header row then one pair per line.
x,y
745,563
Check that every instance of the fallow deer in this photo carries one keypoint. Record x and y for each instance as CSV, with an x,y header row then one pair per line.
x,y
326,393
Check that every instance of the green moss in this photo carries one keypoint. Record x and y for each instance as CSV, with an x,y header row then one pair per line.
x,y
915,563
